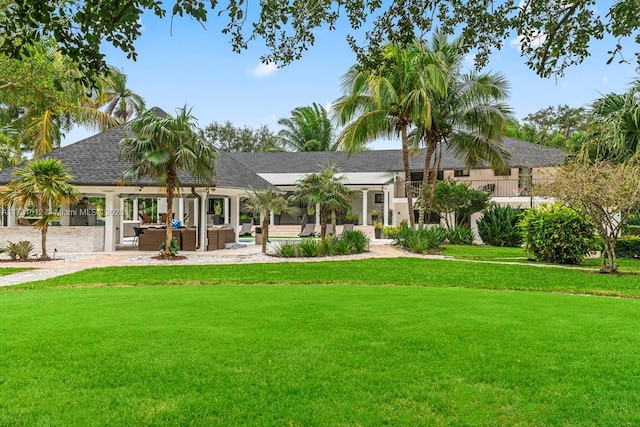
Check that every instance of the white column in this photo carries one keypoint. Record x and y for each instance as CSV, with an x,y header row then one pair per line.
x,y
317,214
386,205
11,216
121,221
181,209
203,220
110,222
225,206
365,209
135,210
272,219
196,214
234,214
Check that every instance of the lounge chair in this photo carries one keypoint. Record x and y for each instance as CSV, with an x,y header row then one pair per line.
x,y
329,231
144,218
245,230
308,231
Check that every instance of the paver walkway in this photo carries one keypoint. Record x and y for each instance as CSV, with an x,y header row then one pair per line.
x,y
71,263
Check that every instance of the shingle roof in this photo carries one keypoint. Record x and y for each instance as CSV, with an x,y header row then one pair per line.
x,y
94,161
523,154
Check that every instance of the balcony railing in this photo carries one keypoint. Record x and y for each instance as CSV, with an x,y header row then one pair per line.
x,y
495,187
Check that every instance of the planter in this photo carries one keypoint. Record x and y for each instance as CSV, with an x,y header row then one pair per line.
x,y
378,233
218,219
276,219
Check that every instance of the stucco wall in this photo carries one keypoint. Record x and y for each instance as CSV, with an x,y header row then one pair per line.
x,y
64,239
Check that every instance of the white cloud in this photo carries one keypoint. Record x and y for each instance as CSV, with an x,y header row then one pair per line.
x,y
328,106
263,70
605,79
536,39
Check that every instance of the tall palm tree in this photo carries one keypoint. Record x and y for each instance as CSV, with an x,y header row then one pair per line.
x,y
43,185
390,100
160,148
262,202
308,129
616,134
468,117
326,189
122,102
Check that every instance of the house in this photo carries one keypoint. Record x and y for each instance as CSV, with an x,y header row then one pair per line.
x,y
376,178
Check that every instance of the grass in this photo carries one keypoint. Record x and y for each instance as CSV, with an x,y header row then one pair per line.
x,y
10,270
493,253
389,271
316,355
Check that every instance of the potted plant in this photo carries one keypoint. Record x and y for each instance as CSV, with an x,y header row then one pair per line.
x,y
375,215
244,218
351,219
377,229
217,212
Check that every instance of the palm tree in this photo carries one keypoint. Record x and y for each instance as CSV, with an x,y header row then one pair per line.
x,y
43,185
262,202
616,134
469,117
327,190
390,100
122,101
308,129
160,148
71,103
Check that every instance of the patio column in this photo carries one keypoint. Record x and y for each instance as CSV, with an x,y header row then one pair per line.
x,y
110,222
386,205
365,209
202,224
317,214
11,216
135,210
225,207
121,221
272,218
234,214
181,209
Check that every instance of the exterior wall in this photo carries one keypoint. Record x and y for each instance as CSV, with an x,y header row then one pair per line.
x,y
64,239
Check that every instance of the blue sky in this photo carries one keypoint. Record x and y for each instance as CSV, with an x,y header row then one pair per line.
x,y
197,67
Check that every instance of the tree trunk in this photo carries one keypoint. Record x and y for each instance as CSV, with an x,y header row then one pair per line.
x,y
425,178
169,230
334,221
609,262
407,172
265,232
323,223
43,242
434,181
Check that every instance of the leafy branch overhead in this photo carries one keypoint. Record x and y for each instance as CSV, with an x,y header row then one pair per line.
x,y
551,35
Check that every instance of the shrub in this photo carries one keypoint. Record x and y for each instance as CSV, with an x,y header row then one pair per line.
x,y
287,250
419,240
358,241
632,230
20,250
628,247
174,247
460,235
499,226
327,247
557,234
343,246
309,248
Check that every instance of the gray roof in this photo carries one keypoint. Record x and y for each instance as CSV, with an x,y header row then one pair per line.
x,y
94,161
523,154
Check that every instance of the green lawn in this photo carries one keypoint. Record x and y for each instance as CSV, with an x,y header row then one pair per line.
x,y
316,355
390,271
10,270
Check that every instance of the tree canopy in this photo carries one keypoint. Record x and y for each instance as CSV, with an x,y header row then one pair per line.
x,y
551,35
230,138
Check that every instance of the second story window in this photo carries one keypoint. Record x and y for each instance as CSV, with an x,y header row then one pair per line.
x,y
460,172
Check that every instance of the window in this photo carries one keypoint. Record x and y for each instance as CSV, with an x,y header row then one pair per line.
x,y
461,172
378,198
